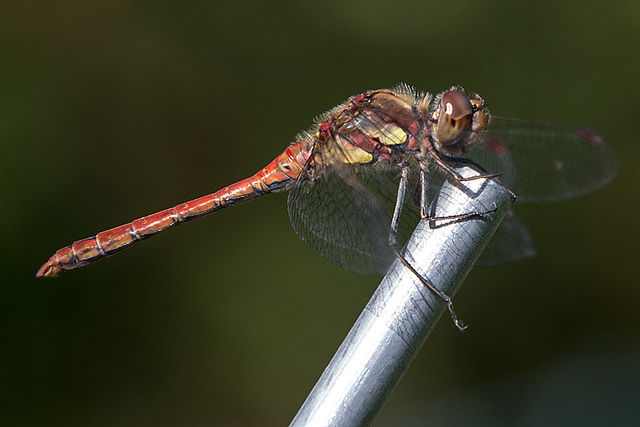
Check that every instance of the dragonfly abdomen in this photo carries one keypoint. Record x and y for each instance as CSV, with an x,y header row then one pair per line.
x,y
276,176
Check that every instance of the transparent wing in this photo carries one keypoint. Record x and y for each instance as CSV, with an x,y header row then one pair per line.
x,y
543,162
511,242
337,216
345,213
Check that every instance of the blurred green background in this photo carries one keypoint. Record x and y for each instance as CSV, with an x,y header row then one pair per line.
x,y
113,110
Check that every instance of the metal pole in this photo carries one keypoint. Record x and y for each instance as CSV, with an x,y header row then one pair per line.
x,y
402,312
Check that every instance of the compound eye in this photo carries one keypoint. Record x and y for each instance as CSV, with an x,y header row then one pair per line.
x,y
455,117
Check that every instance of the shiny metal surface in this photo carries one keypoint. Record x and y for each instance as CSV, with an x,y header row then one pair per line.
x,y
402,312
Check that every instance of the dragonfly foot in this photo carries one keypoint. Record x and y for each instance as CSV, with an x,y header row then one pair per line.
x,y
459,323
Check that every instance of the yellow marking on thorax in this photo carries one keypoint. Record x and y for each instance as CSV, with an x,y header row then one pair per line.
x,y
344,151
388,133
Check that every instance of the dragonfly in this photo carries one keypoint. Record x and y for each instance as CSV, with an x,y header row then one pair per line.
x,y
362,176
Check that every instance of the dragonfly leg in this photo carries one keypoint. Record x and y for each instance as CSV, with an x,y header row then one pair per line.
x,y
424,189
424,206
402,187
439,160
456,176
446,298
460,216
466,161
424,201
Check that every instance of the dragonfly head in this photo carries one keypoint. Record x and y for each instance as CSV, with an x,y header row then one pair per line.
x,y
456,121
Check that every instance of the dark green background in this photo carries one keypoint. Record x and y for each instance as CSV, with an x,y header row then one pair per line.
x,y
113,110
